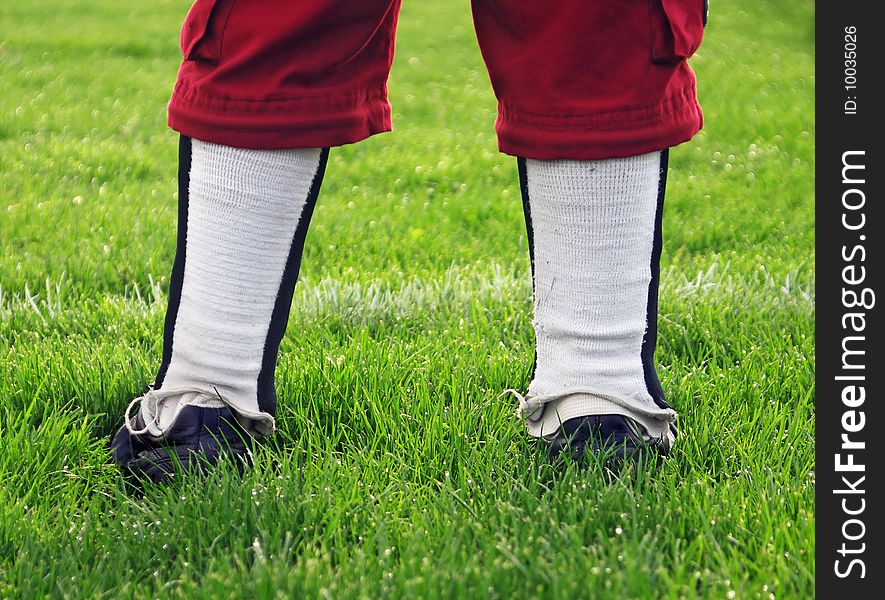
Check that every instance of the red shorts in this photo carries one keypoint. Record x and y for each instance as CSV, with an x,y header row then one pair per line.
x,y
578,79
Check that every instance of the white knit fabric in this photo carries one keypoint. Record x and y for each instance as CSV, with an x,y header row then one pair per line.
x,y
593,229
243,210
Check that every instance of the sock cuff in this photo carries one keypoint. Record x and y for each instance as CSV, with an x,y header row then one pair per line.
x,y
656,422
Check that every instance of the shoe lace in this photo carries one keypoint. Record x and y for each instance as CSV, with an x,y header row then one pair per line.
x,y
154,397
530,406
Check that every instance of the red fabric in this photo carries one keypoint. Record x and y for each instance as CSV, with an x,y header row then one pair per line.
x,y
578,79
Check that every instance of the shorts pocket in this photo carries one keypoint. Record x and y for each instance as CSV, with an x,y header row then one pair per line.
x,y
677,28
203,30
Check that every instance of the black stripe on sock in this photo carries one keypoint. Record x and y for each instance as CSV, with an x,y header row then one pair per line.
x,y
530,234
267,399
184,176
650,340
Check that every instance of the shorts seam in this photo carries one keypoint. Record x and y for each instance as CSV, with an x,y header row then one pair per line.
x,y
604,119
184,94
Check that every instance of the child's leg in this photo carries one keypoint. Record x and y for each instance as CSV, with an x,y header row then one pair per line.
x,y
243,217
247,213
596,236
255,112
590,94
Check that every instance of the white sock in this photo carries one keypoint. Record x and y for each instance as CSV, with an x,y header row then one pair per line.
x,y
593,225
243,210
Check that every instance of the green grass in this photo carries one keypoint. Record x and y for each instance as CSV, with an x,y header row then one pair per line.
x,y
397,472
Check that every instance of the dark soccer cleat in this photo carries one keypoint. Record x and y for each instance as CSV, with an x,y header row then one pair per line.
x,y
607,436
197,439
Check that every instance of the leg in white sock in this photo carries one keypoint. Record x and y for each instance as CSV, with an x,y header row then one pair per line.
x,y
593,226
247,214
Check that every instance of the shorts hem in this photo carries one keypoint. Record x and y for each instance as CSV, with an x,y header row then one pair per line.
x,y
317,121
595,136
